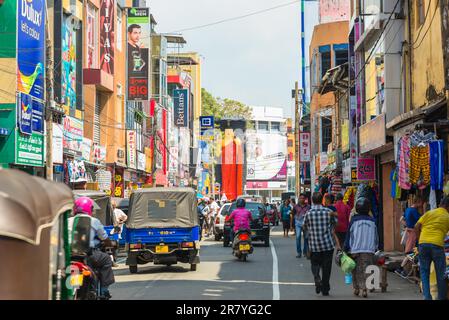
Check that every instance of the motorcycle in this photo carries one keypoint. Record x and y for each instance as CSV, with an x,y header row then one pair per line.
x,y
242,244
84,279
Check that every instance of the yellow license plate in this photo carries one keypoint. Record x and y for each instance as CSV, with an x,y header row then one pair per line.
x,y
245,247
161,249
76,280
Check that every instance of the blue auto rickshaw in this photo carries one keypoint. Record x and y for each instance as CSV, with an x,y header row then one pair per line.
x,y
162,228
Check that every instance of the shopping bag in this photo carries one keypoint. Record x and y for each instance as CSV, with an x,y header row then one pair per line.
x,y
404,238
347,264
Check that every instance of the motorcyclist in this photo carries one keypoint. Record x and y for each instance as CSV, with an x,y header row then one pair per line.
x,y
241,217
96,259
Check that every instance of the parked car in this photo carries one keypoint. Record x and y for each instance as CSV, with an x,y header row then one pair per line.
x,y
260,226
220,220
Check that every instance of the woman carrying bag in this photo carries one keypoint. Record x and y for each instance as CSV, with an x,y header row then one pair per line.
x,y
361,243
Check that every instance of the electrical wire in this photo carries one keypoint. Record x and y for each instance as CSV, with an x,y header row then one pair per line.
x,y
236,18
430,25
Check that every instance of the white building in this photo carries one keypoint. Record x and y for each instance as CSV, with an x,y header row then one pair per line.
x,y
266,150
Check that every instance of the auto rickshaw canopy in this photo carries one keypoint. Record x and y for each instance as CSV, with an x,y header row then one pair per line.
x,y
29,204
162,208
102,205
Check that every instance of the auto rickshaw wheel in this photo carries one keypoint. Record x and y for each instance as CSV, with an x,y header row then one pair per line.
x,y
193,267
133,269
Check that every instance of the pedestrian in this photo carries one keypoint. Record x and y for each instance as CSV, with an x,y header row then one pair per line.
x,y
319,224
410,218
119,219
329,202
362,243
299,212
285,215
343,211
431,229
214,208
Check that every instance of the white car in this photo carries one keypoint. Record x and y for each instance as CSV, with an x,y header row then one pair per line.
x,y
220,220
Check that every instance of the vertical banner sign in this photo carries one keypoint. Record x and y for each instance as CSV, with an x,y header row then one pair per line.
x,y
138,53
131,149
119,183
37,123
68,61
107,36
31,47
181,97
304,147
366,169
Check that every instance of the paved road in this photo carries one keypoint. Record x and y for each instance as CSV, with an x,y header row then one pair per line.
x,y
270,273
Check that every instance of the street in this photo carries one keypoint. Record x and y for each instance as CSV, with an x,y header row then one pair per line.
x,y
270,273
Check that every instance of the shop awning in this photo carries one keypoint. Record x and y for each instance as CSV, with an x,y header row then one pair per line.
x,y
416,114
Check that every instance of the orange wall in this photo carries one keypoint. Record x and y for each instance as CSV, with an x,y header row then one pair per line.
x,y
329,33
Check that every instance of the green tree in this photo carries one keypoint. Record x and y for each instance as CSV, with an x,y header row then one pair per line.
x,y
222,108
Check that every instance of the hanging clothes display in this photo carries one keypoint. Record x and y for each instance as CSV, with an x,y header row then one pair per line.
x,y
432,200
337,183
404,163
436,164
420,165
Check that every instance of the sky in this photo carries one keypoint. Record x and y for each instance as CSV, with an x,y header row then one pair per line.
x,y
255,60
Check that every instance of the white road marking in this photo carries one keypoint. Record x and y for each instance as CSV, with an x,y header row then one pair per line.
x,y
120,261
276,293
211,294
213,290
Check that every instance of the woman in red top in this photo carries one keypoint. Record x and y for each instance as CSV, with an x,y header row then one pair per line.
x,y
344,212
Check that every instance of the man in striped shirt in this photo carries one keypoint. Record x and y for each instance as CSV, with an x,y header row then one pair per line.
x,y
319,223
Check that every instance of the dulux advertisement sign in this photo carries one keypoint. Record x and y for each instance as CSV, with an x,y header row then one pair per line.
x,y
31,47
181,97
25,114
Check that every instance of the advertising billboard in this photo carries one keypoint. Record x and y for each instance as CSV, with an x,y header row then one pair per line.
x,y
138,53
107,36
31,47
68,62
181,102
266,156
73,134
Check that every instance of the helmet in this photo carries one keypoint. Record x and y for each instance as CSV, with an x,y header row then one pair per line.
x,y
84,205
241,203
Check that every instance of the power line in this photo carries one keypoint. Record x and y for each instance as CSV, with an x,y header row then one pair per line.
x,y
430,25
237,17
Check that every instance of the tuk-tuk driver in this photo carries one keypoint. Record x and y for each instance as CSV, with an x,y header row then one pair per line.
x,y
97,259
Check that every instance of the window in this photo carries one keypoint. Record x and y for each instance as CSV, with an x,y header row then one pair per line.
x,y
341,54
326,133
92,36
119,28
420,14
263,126
97,112
275,126
326,64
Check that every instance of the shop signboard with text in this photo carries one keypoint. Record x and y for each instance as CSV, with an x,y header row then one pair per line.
x,y
141,161
131,149
181,102
304,147
138,53
29,150
107,36
366,169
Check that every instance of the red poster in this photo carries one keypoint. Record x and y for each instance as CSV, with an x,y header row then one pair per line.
x,y
107,36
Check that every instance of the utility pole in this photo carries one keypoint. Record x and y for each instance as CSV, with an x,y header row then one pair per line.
x,y
297,159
